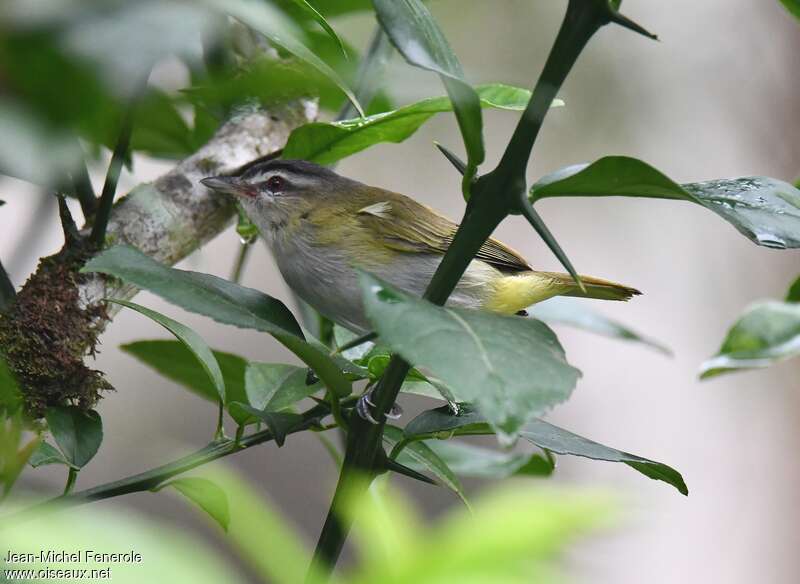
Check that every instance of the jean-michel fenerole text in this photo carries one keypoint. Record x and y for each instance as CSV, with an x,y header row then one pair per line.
x,y
63,557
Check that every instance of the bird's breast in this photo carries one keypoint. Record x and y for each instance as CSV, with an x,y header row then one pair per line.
x,y
326,277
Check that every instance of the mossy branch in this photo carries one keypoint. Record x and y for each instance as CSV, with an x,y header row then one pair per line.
x,y
58,314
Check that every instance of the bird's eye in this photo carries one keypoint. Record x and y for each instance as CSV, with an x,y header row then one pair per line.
x,y
275,183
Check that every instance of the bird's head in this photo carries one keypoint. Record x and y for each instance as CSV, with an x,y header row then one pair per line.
x,y
280,193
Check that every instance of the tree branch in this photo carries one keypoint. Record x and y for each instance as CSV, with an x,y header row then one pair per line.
x,y
60,312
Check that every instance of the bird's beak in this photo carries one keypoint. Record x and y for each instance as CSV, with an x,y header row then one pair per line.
x,y
228,184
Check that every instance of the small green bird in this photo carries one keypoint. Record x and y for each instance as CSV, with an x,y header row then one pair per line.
x,y
322,226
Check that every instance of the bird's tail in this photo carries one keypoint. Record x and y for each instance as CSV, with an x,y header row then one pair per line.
x,y
510,294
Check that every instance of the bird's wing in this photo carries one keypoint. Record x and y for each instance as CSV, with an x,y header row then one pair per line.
x,y
430,232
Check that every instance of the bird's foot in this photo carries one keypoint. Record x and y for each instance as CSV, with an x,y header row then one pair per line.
x,y
365,403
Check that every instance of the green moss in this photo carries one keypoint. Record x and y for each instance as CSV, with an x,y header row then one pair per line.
x,y
45,336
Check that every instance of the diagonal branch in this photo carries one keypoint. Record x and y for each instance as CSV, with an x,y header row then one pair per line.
x,y
168,219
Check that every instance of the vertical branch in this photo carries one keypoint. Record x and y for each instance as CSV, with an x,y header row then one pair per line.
x,y
98,234
82,186
7,291
494,196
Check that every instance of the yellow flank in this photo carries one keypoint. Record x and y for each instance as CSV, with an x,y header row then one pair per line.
x,y
510,294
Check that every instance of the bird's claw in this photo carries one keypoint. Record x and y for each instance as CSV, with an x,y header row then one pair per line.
x,y
364,404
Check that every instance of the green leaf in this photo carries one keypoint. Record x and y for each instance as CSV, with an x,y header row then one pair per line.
x,y
767,333
277,386
561,441
328,142
511,536
223,301
176,362
793,6
442,423
273,24
46,454
31,151
267,80
176,554
204,294
793,295
77,433
255,522
205,494
159,130
310,12
330,8
765,210
124,41
468,460
279,423
577,314
420,453
511,368
414,32
191,340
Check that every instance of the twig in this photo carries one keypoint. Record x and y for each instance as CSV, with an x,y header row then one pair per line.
x,y
7,291
71,235
112,177
152,478
241,260
72,475
82,186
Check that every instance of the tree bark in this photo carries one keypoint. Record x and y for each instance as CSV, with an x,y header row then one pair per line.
x,y
59,312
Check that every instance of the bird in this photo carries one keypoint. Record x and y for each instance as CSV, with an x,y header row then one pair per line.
x,y
322,228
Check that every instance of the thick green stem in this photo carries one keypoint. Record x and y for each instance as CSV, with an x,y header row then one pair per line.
x,y
494,196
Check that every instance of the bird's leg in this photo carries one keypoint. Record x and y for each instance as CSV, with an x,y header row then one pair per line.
x,y
365,403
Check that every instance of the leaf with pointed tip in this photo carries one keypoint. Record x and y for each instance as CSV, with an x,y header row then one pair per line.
x,y
328,142
415,34
273,24
313,14
767,333
560,441
191,340
440,422
468,460
577,314
45,454
277,386
763,209
330,8
793,6
427,458
223,301
279,423
205,494
175,361
511,368
77,433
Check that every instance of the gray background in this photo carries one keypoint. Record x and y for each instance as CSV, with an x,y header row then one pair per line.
x,y
717,97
